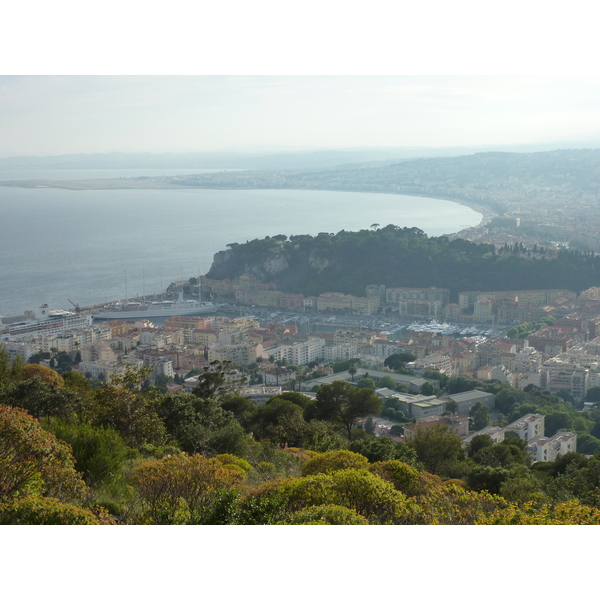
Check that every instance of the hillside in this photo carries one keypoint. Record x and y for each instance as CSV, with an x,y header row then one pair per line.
x,y
400,257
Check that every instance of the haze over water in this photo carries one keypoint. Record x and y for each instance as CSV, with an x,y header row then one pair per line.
x,y
93,246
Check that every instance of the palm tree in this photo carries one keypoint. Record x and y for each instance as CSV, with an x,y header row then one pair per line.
x,y
352,371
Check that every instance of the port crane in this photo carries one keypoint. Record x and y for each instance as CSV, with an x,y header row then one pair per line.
x,y
76,306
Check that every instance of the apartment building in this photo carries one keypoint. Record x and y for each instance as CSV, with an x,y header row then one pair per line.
x,y
592,293
395,295
558,375
420,308
528,427
334,301
442,362
332,352
467,300
549,449
23,349
188,322
495,432
365,306
528,360
239,354
259,297
298,353
483,311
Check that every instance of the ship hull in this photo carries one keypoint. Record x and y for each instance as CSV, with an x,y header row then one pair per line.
x,y
151,312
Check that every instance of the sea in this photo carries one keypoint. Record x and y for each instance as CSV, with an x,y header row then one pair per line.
x,y
85,247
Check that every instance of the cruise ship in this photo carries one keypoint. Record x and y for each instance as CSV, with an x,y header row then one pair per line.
x,y
166,308
46,321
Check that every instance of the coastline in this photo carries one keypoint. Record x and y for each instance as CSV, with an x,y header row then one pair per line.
x,y
487,213
111,287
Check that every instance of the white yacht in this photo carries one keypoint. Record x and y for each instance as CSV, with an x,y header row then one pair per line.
x,y
166,308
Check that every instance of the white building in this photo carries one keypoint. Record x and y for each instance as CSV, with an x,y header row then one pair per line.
x,y
528,427
548,449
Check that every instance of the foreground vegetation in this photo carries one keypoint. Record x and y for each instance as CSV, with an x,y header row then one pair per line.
x,y
71,454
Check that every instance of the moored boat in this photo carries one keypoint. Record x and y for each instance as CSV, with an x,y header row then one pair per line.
x,y
166,308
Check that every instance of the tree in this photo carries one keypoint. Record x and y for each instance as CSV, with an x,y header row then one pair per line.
x,y
563,513
436,447
131,413
497,455
387,382
403,476
452,406
480,416
76,382
50,376
216,381
181,488
593,395
33,461
37,358
41,399
33,510
352,370
398,361
427,389
366,382
242,408
329,514
479,442
377,449
201,424
342,403
334,461
357,489
587,444
99,452
454,505
555,421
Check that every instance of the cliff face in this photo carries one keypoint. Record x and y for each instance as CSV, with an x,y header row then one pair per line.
x,y
265,266
283,263
319,259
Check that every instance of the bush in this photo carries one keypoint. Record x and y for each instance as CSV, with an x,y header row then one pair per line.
x,y
50,376
329,514
99,452
34,510
33,461
334,461
181,488
405,478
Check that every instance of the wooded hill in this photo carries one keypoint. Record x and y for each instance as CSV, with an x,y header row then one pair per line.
x,y
401,257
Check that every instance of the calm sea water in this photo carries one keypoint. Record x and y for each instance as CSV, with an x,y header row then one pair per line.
x,y
72,174
95,246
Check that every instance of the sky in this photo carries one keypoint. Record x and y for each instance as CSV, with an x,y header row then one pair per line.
x,y
50,115
269,76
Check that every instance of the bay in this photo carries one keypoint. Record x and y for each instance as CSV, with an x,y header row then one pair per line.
x,y
99,245
74,174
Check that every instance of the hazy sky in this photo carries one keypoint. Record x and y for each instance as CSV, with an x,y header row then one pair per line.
x,y
46,115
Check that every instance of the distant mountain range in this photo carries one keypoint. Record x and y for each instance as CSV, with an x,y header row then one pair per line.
x,y
319,159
